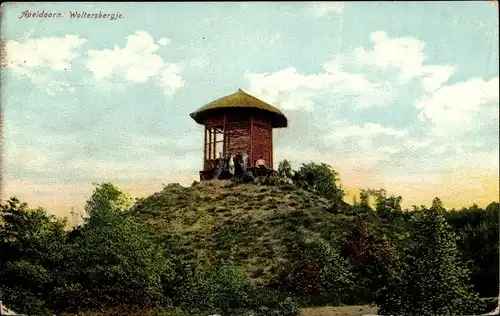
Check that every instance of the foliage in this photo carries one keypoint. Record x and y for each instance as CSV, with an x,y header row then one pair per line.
x,y
276,180
107,198
117,264
320,179
372,261
247,249
477,232
285,170
317,275
385,206
432,280
275,306
156,311
335,278
31,244
222,289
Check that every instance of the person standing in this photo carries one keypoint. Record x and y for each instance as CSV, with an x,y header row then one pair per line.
x,y
238,172
245,162
231,165
220,167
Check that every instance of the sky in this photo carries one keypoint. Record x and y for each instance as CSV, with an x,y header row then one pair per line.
x,y
396,95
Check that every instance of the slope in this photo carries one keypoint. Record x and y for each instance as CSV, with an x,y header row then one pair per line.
x,y
254,225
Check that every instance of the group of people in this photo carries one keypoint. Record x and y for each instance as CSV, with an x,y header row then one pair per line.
x,y
236,165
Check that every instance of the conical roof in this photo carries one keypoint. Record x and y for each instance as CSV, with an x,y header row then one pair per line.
x,y
240,99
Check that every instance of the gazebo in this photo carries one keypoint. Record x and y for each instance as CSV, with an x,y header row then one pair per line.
x,y
237,124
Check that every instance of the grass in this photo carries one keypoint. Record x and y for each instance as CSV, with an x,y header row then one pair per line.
x,y
254,223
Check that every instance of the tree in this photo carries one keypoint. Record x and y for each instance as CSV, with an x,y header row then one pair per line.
x,y
320,179
477,232
386,206
32,248
107,198
432,280
372,262
111,262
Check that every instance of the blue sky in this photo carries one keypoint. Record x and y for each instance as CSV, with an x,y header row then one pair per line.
x,y
400,95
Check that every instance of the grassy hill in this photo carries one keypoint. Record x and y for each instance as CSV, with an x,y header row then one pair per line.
x,y
253,224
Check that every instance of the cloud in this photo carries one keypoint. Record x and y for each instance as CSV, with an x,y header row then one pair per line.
x,y
370,144
291,90
164,41
414,143
39,59
367,130
136,62
406,54
356,75
54,53
324,8
120,156
461,107
447,128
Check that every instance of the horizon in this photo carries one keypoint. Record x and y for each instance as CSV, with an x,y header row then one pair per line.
x,y
387,100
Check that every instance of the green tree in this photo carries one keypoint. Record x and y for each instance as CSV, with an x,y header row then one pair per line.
x,y
31,247
477,232
110,261
385,205
320,179
432,280
107,198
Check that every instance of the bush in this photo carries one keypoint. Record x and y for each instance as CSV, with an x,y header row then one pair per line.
x,y
217,290
275,180
285,170
274,304
159,311
316,275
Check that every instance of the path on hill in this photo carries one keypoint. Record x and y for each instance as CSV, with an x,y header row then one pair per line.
x,y
339,311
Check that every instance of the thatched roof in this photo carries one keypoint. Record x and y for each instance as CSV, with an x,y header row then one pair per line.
x,y
243,100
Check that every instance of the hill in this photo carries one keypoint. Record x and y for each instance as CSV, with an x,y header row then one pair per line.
x,y
255,225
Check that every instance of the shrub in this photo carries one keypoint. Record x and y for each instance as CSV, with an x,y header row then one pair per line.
x,y
217,290
316,275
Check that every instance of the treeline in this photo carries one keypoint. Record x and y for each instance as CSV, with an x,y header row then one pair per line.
x,y
419,261
424,261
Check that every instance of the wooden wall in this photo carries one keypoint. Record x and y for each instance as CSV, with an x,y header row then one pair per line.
x,y
245,133
238,138
262,144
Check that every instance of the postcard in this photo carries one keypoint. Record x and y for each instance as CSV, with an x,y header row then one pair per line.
x,y
249,158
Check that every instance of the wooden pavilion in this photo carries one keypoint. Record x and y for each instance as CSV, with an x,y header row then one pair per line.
x,y
238,124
